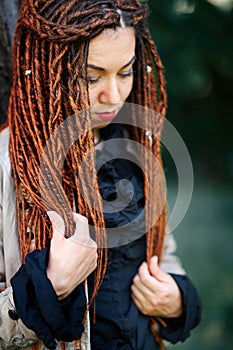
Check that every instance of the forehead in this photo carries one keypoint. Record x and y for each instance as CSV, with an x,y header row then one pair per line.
x,y
112,47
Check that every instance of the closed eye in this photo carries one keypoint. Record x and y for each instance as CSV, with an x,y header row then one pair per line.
x,y
126,74
92,80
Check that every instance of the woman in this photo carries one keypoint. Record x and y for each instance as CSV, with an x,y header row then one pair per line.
x,y
86,59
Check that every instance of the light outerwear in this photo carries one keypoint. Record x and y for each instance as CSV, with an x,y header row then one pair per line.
x,y
13,334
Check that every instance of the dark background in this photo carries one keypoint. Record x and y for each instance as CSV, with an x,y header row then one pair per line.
x,y
194,39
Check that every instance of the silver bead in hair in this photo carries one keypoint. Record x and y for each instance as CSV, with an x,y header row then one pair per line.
x,y
122,23
149,135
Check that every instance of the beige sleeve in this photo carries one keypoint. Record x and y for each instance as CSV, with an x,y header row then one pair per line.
x,y
170,263
2,269
13,334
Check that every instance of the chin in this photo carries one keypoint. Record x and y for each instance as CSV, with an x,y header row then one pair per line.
x,y
100,126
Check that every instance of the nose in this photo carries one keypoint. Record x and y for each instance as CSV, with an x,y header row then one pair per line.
x,y
110,92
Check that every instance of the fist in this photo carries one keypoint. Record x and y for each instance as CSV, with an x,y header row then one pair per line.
x,y
155,292
73,259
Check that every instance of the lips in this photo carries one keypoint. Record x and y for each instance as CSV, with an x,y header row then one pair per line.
x,y
106,116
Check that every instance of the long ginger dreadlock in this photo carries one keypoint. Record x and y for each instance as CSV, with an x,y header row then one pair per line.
x,y
50,52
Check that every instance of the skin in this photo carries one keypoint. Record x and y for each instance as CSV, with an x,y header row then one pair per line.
x,y
155,292
110,76
70,260
110,72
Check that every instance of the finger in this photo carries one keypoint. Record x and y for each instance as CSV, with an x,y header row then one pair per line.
x,y
57,222
146,279
78,217
139,302
81,234
137,293
139,287
136,280
144,274
155,270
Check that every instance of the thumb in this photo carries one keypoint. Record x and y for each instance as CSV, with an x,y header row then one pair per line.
x,y
154,268
57,222
81,234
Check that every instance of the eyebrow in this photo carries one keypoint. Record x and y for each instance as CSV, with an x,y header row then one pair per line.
x,y
102,69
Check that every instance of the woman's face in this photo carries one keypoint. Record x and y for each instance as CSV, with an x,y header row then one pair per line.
x,y
110,73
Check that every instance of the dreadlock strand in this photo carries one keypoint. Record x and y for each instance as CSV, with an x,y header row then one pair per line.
x,y
21,106
155,240
58,194
148,183
31,97
153,235
56,87
27,153
67,7
41,86
51,10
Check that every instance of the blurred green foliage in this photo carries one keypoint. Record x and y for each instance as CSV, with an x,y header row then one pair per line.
x,y
194,40
205,247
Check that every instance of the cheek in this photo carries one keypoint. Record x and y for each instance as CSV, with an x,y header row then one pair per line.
x,y
126,90
93,97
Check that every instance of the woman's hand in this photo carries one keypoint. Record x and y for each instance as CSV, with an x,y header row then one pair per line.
x,y
155,292
71,259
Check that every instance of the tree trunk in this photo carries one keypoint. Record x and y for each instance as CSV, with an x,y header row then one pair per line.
x,y
8,15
